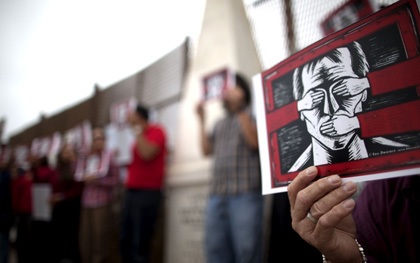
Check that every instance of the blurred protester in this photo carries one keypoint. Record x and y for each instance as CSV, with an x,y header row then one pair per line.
x,y
385,215
41,170
65,202
6,214
100,176
143,187
43,175
234,215
22,208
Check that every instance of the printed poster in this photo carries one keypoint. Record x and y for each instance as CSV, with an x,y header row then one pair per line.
x,y
119,133
216,84
349,13
349,104
41,194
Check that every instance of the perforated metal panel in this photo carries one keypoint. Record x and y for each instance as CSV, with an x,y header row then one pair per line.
x,y
270,26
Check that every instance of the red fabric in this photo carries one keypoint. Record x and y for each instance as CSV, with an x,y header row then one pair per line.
x,y
44,174
143,174
22,194
68,188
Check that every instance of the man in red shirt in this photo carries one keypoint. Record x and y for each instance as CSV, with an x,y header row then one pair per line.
x,y
143,187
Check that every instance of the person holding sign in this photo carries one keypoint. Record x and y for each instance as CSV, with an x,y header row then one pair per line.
x,y
233,219
100,175
143,187
381,226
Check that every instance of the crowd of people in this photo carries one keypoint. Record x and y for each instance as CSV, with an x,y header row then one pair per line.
x,y
87,223
86,228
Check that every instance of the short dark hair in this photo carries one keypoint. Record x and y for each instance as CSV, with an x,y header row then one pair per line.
x,y
241,82
142,111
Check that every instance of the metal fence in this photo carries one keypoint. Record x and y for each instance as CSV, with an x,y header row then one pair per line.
x,y
282,27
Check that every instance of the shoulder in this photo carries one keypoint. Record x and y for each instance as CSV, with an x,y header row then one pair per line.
x,y
156,128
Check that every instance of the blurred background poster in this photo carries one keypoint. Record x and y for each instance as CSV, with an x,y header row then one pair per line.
x,y
216,83
41,207
118,132
349,13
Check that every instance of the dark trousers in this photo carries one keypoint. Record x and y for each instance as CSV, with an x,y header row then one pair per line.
x,y
285,244
23,239
138,220
65,230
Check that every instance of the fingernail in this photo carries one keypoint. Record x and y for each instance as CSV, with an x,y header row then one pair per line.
x,y
349,187
349,203
333,179
310,171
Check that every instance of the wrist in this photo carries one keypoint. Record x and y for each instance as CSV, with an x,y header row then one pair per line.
x,y
361,257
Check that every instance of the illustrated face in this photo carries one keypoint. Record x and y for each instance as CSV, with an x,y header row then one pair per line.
x,y
323,77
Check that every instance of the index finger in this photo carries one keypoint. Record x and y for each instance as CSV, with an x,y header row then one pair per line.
x,y
300,182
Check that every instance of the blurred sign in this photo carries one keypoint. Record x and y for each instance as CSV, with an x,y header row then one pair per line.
x,y
21,154
41,194
45,146
216,84
80,137
351,12
119,110
119,134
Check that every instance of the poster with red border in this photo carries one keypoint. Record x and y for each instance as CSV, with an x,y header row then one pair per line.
x,y
80,137
216,84
349,103
119,111
47,145
349,13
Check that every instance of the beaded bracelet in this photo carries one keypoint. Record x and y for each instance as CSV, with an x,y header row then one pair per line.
x,y
361,250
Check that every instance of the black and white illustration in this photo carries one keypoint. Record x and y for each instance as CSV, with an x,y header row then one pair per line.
x,y
349,104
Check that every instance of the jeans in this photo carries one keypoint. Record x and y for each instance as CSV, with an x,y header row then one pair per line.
x,y
138,220
233,227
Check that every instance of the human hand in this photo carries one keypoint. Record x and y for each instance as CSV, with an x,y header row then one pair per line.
x,y
339,125
90,179
333,230
55,198
350,86
311,99
200,112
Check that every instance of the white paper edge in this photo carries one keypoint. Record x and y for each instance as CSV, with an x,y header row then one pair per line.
x,y
262,136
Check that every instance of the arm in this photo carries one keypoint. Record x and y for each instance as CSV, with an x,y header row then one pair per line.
x,y
249,129
146,148
206,147
333,231
107,175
